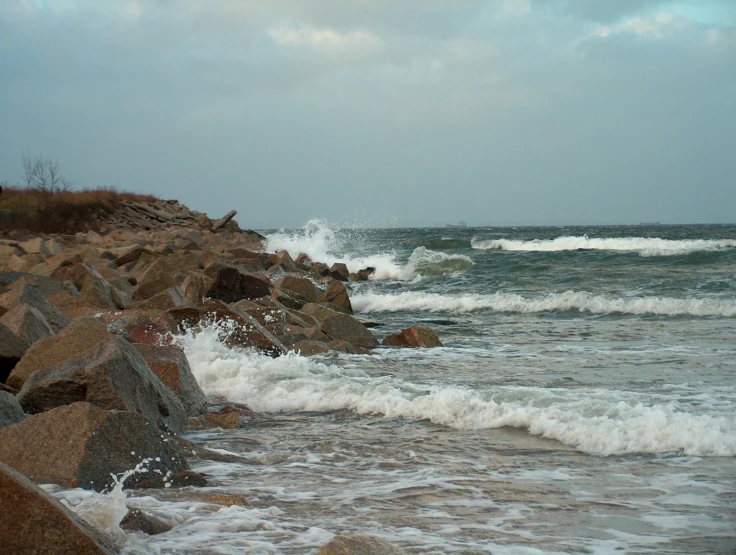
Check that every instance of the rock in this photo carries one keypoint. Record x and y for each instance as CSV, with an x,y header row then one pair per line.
x,y
357,545
273,318
172,297
231,286
303,261
34,523
342,346
80,336
228,421
12,348
226,499
308,348
10,410
417,336
239,327
289,299
26,294
170,364
319,269
318,311
195,287
339,271
126,255
337,294
302,287
284,261
142,522
316,334
152,281
111,375
345,327
80,445
35,246
366,273
122,291
95,289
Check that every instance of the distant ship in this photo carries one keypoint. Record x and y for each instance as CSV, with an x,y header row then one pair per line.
x,y
458,225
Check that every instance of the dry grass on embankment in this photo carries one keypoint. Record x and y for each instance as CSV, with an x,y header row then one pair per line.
x,y
41,211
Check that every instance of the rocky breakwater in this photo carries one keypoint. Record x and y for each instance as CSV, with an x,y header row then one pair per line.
x,y
91,383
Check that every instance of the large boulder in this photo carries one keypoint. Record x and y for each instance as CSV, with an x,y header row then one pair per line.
x,y
231,286
171,366
239,328
416,336
346,328
111,375
80,445
27,294
169,298
284,261
339,271
319,312
95,290
307,347
27,323
337,294
10,410
357,545
302,287
81,335
34,523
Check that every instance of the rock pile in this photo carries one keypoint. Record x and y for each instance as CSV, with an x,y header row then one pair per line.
x,y
91,383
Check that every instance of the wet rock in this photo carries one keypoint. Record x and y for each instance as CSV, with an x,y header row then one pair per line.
x,y
227,421
283,260
181,479
10,410
309,348
357,545
231,286
171,366
80,445
416,336
337,294
342,346
365,273
226,499
195,287
34,523
238,328
319,269
111,375
339,271
346,328
142,522
303,261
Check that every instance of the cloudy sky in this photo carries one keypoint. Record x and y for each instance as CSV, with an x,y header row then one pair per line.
x,y
382,112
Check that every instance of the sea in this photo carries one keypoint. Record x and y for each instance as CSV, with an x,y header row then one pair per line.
x,y
583,401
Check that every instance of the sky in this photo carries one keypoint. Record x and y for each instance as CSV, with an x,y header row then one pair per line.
x,y
382,112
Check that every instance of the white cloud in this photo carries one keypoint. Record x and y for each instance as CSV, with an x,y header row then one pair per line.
x,y
324,38
654,27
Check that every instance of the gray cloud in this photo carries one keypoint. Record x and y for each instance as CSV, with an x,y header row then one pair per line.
x,y
411,113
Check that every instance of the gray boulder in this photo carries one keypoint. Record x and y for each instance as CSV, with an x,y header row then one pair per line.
x,y
10,410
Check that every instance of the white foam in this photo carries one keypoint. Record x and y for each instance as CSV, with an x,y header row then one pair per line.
x,y
322,244
570,300
646,246
601,422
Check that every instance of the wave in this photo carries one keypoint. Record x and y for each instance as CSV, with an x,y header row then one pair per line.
x,y
553,302
643,245
322,244
599,422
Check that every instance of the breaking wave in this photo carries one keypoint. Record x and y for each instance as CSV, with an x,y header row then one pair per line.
x,y
322,244
600,422
643,245
553,302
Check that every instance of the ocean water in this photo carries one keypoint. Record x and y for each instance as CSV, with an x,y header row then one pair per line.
x,y
584,402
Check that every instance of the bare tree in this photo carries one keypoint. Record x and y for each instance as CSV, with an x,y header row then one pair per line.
x,y
43,173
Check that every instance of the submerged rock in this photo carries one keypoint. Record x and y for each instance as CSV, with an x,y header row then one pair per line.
x,y
357,545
